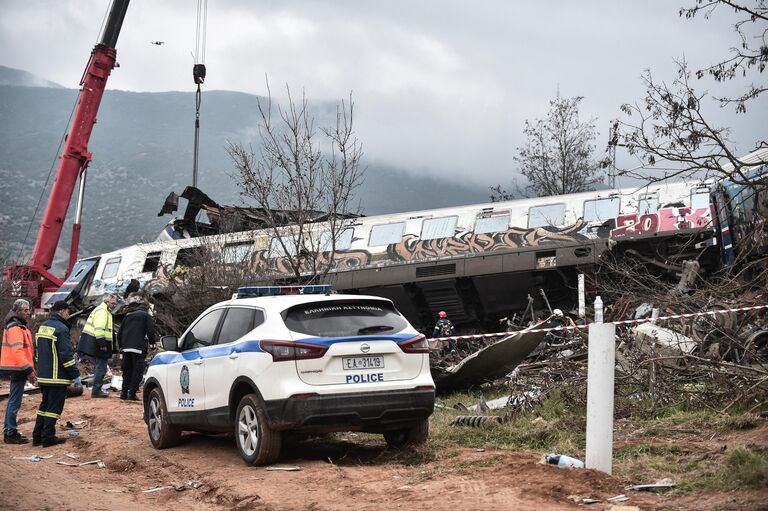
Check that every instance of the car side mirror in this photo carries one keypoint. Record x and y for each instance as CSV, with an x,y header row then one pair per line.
x,y
169,343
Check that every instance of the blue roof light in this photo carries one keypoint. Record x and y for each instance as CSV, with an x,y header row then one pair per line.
x,y
313,289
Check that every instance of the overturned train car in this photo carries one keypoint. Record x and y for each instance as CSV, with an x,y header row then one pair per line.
x,y
477,262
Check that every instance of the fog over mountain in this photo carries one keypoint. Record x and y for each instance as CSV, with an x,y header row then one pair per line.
x,y
142,149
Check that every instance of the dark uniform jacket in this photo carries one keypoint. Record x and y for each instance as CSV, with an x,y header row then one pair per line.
x,y
136,330
443,328
53,352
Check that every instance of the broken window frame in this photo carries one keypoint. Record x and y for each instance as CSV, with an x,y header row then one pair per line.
x,y
154,259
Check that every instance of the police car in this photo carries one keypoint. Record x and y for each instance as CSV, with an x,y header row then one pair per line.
x,y
268,361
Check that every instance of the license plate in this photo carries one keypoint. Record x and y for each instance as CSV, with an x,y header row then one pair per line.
x,y
371,362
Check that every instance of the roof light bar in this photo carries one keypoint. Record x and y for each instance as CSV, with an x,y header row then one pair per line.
x,y
252,291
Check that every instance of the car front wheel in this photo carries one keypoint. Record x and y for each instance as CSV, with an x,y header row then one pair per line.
x,y
415,435
162,433
257,443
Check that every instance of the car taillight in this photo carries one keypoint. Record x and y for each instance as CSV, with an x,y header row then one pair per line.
x,y
286,350
417,344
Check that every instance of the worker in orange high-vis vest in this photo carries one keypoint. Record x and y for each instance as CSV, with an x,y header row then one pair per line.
x,y
17,362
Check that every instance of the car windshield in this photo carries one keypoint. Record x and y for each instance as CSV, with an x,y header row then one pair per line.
x,y
344,318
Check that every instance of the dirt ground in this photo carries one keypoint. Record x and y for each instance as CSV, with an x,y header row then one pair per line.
x,y
342,472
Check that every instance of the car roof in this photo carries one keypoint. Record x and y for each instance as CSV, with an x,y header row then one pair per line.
x,y
282,302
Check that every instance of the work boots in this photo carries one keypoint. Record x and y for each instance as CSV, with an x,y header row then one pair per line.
x,y
132,396
16,438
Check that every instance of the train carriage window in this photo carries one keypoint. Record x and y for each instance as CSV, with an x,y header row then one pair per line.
x,y
648,203
151,263
235,253
190,257
276,247
601,210
699,198
498,223
548,214
434,228
110,268
343,240
386,234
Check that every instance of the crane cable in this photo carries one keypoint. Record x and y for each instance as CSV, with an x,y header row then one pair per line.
x,y
198,74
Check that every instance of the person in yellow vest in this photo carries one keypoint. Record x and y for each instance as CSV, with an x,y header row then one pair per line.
x,y
17,363
96,341
56,370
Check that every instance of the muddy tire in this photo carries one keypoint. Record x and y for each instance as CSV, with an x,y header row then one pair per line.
x,y
414,435
256,442
162,433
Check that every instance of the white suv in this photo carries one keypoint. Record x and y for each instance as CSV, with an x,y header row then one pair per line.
x,y
259,365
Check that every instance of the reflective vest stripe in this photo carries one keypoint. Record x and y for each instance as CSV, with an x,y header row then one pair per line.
x,y
13,344
55,362
15,368
70,363
56,381
49,414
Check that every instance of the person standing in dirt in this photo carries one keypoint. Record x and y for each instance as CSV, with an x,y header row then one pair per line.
x,y
137,330
17,362
96,342
56,370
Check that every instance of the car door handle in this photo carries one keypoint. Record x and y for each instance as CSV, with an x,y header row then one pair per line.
x,y
198,361
234,355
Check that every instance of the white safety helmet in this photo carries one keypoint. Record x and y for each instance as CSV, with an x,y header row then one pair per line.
x,y
558,313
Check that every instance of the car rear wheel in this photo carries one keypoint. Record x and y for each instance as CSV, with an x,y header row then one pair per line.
x,y
414,435
257,443
162,433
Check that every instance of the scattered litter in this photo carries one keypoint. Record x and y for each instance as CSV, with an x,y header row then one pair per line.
x,y
74,425
563,461
284,468
194,484
92,462
114,491
73,433
157,488
618,498
34,458
578,499
479,450
475,421
67,464
101,464
72,456
589,501
658,485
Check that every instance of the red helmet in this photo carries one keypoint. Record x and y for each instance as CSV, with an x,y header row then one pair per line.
x,y
442,314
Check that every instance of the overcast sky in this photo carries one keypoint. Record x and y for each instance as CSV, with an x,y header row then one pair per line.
x,y
441,86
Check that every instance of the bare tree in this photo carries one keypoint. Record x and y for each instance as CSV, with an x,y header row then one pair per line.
x,y
670,124
304,179
557,156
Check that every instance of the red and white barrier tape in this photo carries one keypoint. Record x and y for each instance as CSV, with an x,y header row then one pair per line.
x,y
576,327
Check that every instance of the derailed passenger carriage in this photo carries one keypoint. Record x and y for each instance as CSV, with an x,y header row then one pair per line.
x,y
476,262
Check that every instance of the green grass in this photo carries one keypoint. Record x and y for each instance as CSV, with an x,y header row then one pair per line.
x,y
649,445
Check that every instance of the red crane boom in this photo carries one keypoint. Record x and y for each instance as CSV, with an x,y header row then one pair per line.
x,y
34,278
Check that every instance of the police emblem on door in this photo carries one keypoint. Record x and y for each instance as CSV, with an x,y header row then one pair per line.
x,y
184,380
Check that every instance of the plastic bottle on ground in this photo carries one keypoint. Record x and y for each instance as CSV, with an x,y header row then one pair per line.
x,y
563,461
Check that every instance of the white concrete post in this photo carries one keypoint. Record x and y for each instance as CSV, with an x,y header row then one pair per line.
x,y
582,301
600,388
